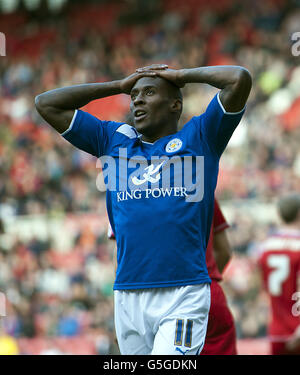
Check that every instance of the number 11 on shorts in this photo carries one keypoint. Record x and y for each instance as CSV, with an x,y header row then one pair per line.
x,y
179,333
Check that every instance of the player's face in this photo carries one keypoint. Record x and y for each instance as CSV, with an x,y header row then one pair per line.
x,y
150,105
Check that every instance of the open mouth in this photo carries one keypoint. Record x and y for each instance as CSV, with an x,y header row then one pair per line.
x,y
139,114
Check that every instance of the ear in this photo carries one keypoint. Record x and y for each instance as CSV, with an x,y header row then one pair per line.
x,y
176,106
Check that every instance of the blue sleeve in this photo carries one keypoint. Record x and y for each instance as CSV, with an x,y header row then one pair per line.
x,y
90,134
217,125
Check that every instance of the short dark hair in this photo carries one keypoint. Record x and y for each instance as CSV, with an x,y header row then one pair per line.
x,y
289,207
174,92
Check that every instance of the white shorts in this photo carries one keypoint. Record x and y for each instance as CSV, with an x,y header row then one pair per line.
x,y
162,321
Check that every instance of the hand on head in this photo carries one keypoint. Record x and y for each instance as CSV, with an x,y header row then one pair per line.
x,y
127,83
154,70
163,71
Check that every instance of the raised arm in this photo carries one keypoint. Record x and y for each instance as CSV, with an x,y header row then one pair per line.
x,y
57,106
234,81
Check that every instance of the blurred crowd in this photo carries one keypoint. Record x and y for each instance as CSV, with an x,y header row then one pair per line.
x,y
54,293
41,174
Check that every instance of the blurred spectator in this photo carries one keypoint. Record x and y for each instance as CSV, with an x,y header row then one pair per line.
x,y
56,293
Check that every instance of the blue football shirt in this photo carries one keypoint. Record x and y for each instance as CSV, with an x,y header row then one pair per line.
x,y
159,196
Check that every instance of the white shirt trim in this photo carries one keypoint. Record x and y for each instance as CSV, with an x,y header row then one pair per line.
x,y
71,124
224,110
127,130
149,143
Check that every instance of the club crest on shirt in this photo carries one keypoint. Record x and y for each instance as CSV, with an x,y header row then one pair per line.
x,y
174,145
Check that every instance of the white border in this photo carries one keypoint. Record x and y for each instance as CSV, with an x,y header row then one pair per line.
x,y
71,124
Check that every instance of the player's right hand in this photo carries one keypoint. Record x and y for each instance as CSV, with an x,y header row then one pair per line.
x,y
127,83
175,76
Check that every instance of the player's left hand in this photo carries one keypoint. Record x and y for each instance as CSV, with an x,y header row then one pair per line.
x,y
173,75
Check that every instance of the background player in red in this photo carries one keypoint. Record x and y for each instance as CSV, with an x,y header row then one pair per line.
x,y
280,266
220,336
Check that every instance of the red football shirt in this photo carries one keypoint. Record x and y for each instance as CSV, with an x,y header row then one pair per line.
x,y
280,265
218,225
